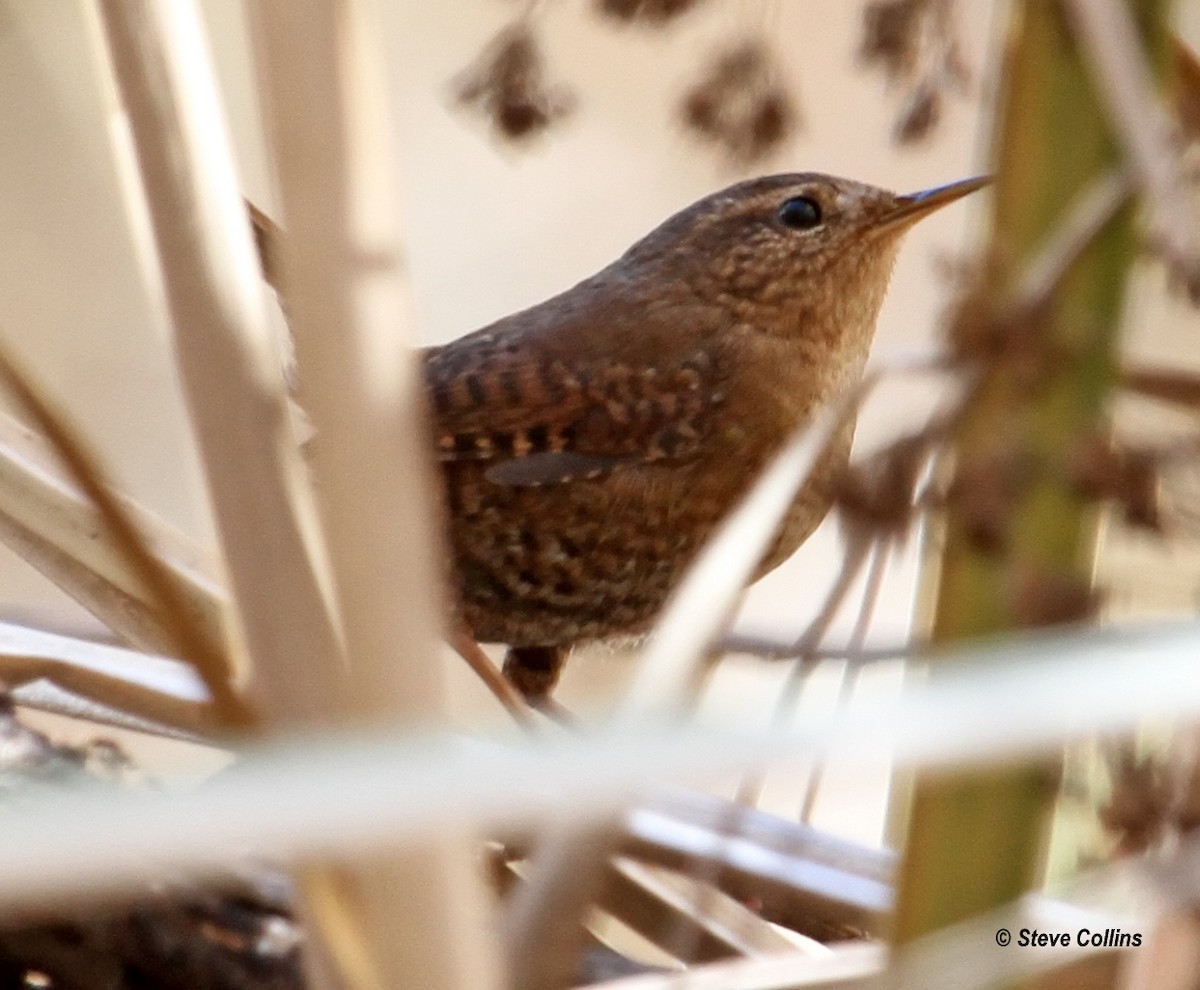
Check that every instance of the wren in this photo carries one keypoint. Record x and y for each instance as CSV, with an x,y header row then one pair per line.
x,y
590,445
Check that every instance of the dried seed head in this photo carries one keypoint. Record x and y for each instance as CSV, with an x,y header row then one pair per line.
x,y
892,36
915,44
740,104
1138,806
985,490
652,12
977,333
920,115
517,118
1101,470
700,111
1186,90
1039,597
507,85
879,494
770,121
1185,799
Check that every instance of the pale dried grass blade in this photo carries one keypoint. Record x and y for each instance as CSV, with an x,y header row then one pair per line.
x,y
227,359
672,910
846,967
102,683
947,963
349,309
189,640
1087,216
701,605
993,705
420,913
693,618
542,924
130,619
948,960
47,520
116,696
807,880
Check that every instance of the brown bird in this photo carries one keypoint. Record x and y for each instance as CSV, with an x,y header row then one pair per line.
x,y
591,444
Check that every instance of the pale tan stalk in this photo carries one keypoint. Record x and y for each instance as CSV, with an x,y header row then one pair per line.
x,y
131,619
189,640
420,912
542,924
124,695
852,966
671,909
105,684
231,372
46,519
232,380
349,311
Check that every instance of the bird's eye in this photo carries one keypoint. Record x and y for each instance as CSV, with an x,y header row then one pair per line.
x,y
800,213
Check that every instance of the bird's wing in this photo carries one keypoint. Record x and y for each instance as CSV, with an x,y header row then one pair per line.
x,y
545,421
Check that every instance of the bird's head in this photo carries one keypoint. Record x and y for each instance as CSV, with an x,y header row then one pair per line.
x,y
803,251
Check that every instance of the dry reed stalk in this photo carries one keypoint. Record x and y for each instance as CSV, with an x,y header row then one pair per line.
x,y
391,787
1128,84
232,380
849,967
54,526
673,909
694,617
419,912
543,922
104,684
349,308
701,606
188,639
124,695
807,880
951,962
130,619
1019,533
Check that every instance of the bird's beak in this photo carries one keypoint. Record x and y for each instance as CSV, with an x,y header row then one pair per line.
x,y
911,208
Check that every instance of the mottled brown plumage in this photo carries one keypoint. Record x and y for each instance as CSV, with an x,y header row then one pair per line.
x,y
591,444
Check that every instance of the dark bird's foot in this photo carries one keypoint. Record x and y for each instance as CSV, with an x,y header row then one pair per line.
x,y
534,671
